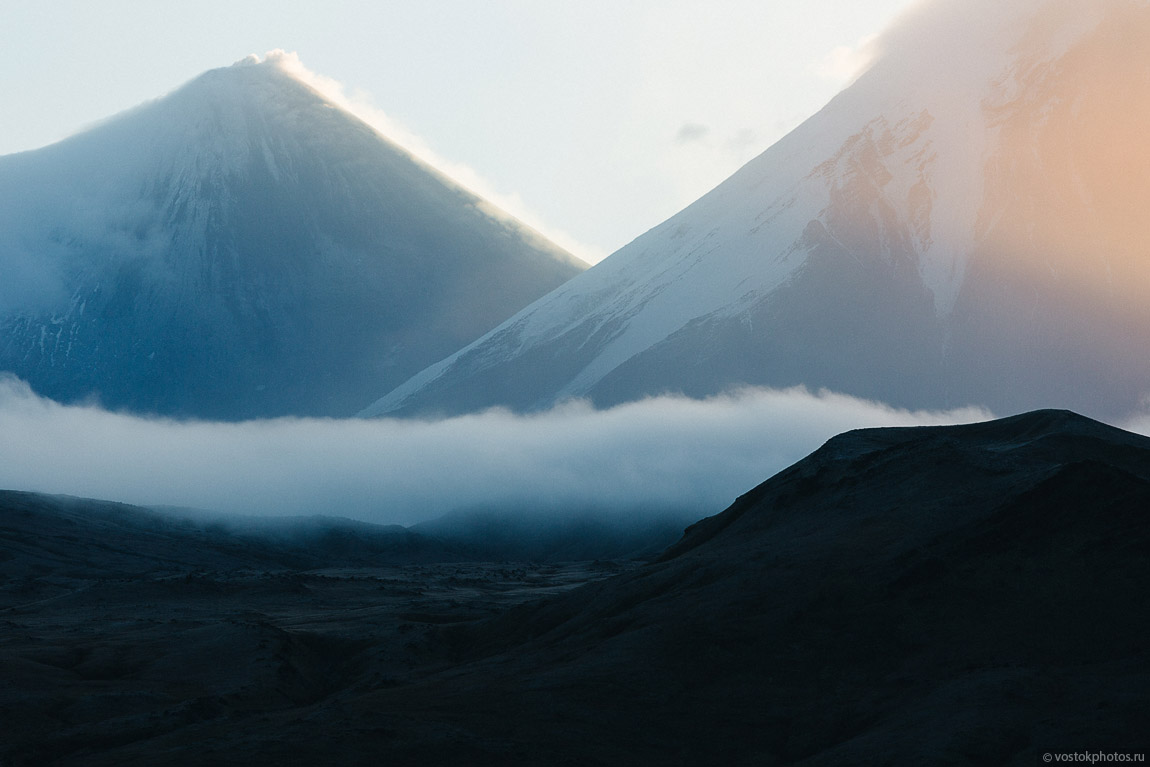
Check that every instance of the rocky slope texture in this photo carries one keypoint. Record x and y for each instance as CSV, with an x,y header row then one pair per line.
x,y
939,595
241,248
962,225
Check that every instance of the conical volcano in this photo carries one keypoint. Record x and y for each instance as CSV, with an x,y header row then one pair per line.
x,y
244,247
964,224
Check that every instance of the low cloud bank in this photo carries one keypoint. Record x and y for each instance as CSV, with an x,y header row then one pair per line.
x,y
667,454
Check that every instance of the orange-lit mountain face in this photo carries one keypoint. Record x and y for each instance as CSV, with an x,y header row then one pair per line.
x,y
962,225
1060,279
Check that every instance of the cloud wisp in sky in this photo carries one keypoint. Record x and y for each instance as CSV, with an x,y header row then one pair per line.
x,y
671,455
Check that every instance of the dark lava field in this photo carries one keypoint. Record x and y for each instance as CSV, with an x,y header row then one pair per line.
x,y
934,595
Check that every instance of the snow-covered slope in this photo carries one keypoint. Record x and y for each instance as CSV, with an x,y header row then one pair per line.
x,y
960,225
243,247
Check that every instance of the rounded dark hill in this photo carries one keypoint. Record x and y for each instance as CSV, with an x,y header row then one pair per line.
x,y
242,248
944,595
925,468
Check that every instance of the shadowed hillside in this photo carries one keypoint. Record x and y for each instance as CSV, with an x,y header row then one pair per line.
x,y
943,595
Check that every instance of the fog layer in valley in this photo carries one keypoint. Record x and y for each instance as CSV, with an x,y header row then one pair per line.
x,y
664,454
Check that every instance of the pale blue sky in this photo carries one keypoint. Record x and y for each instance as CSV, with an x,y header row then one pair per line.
x,y
593,120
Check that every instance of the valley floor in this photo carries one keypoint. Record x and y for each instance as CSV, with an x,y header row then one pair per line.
x,y
135,669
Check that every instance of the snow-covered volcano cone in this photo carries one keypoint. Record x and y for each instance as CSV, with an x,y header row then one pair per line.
x,y
963,224
244,247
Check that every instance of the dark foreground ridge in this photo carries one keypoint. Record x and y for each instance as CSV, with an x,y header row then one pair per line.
x,y
937,595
